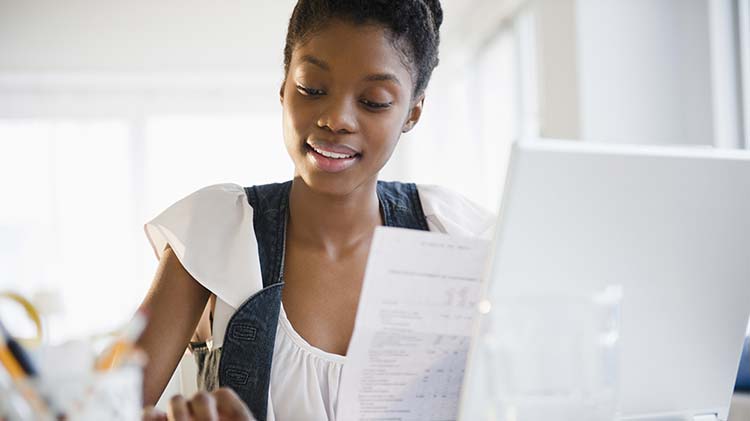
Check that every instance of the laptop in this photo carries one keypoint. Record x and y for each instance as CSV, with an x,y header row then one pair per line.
x,y
670,226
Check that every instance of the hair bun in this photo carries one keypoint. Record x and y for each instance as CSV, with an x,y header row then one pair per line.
x,y
436,11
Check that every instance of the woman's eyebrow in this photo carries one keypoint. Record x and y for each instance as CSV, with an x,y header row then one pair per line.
x,y
383,77
376,77
315,62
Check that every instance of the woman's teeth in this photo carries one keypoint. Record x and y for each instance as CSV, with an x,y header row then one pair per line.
x,y
332,155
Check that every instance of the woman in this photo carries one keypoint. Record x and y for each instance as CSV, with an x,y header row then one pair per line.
x,y
355,79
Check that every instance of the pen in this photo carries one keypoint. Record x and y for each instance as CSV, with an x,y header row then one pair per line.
x,y
18,352
124,344
10,363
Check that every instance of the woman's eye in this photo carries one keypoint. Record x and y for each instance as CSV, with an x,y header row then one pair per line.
x,y
376,105
310,91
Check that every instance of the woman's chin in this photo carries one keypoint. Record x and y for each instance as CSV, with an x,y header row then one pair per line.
x,y
328,184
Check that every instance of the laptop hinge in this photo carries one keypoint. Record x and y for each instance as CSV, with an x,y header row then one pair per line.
x,y
706,417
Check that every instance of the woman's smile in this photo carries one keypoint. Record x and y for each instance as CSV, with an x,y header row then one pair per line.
x,y
330,157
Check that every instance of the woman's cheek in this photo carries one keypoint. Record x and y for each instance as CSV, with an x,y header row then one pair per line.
x,y
298,118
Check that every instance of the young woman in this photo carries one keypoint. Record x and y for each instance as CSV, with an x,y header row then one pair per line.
x,y
355,79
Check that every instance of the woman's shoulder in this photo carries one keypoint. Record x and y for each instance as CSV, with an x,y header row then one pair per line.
x,y
211,232
222,192
227,194
225,199
210,199
452,213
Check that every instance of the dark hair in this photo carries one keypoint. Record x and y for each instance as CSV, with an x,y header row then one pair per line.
x,y
412,25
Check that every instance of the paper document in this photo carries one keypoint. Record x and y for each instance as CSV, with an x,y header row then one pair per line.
x,y
411,337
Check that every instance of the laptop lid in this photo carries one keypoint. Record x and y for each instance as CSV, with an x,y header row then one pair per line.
x,y
671,225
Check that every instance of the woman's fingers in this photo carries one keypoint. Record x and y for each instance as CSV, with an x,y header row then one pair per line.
x,y
178,409
203,407
220,405
230,406
152,414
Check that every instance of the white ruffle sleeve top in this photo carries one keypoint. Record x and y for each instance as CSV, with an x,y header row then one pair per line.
x,y
211,233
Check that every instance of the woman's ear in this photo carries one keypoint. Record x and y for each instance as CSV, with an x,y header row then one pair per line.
x,y
281,92
414,113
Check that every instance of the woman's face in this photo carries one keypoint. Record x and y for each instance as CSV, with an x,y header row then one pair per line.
x,y
346,100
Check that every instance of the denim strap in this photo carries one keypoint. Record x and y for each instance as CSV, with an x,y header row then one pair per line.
x,y
247,353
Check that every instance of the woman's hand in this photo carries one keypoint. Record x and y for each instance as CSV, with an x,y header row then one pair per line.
x,y
220,405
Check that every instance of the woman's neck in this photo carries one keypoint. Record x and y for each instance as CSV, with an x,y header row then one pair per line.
x,y
332,223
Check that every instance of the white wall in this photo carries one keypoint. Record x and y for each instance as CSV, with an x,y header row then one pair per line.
x,y
141,36
644,71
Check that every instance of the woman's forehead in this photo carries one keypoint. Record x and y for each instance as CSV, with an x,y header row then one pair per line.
x,y
363,50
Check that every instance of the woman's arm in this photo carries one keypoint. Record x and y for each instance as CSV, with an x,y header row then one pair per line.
x,y
174,304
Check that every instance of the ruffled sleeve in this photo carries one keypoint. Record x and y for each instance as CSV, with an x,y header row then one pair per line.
x,y
211,233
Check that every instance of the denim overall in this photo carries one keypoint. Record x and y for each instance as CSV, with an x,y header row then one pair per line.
x,y
244,361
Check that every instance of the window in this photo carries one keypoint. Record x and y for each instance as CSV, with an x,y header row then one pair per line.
x,y
76,193
66,215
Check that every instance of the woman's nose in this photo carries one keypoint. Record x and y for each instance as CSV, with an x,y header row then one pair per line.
x,y
339,117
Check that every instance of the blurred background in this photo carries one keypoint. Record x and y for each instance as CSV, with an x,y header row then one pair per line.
x,y
110,111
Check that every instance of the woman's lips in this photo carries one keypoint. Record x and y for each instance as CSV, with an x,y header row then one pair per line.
x,y
334,162
332,148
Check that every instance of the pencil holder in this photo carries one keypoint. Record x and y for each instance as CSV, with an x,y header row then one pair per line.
x,y
71,389
114,395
